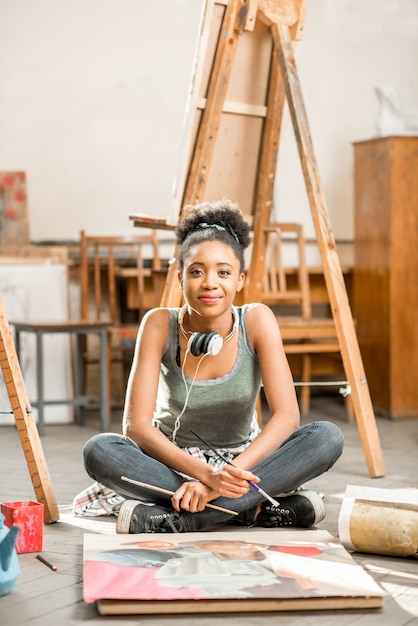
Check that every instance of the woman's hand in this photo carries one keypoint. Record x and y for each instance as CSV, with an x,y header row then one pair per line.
x,y
192,496
229,481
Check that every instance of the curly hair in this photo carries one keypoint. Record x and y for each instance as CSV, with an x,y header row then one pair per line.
x,y
220,220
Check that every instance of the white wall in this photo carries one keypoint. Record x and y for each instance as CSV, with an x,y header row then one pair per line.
x,y
93,94
349,47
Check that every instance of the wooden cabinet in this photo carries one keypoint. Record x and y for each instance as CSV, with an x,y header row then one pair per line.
x,y
385,280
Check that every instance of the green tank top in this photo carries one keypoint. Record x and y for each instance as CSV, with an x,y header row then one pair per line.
x,y
220,410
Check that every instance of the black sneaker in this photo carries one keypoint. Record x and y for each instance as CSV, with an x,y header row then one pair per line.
x,y
135,517
302,509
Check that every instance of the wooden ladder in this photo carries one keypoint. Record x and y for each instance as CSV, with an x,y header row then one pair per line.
x,y
25,423
261,35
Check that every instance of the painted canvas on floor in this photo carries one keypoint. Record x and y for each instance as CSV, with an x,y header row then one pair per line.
x,y
246,570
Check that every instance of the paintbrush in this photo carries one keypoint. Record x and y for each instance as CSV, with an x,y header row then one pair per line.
x,y
250,482
171,493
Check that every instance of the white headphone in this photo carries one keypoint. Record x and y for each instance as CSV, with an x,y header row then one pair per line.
x,y
206,343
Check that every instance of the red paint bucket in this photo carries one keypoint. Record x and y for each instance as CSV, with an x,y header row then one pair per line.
x,y
29,516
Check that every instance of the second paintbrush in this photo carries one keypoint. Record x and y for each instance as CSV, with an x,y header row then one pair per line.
x,y
250,482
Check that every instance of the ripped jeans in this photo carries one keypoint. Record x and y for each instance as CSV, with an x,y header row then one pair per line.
x,y
309,452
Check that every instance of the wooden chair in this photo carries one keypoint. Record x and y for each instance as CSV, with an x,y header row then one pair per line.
x,y
105,263
287,292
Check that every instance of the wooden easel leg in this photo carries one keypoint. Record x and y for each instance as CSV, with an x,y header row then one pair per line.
x,y
25,424
305,392
332,270
349,408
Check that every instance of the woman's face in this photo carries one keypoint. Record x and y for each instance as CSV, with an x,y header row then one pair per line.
x,y
211,278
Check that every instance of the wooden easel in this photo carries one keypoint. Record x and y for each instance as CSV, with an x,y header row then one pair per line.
x,y
25,424
275,26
